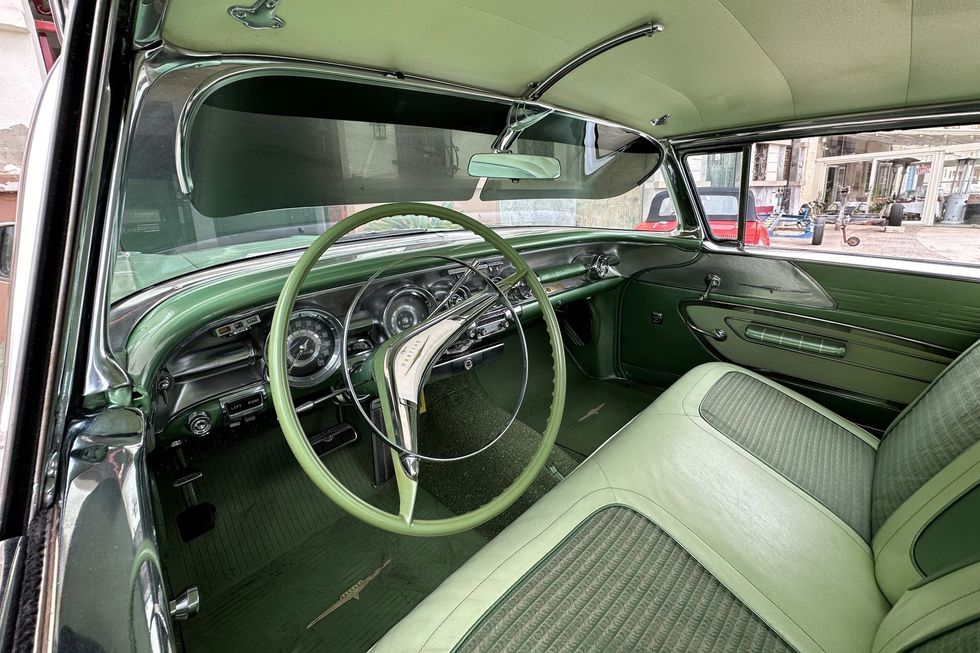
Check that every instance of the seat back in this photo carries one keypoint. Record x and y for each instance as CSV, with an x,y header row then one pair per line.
x,y
941,616
925,511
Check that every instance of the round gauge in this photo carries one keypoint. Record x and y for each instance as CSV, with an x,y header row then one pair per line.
x,y
312,347
406,308
442,289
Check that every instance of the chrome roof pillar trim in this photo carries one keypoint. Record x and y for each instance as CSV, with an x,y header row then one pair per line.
x,y
27,256
148,23
103,373
167,58
106,537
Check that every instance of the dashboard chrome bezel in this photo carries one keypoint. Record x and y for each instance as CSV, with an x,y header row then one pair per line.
x,y
410,290
333,363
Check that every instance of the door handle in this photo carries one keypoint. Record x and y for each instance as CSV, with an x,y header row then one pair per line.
x,y
719,335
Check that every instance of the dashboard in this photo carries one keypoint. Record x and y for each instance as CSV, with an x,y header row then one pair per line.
x,y
218,379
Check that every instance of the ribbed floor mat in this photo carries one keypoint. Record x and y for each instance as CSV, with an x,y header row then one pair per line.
x,y
265,505
594,410
270,609
281,553
461,419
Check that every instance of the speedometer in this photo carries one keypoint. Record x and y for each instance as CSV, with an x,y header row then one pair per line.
x,y
407,308
312,347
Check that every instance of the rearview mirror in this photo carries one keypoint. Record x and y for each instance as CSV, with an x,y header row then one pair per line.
x,y
504,165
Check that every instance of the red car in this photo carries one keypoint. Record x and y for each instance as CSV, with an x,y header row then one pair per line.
x,y
721,205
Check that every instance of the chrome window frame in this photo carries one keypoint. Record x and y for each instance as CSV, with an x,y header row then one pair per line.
x,y
909,118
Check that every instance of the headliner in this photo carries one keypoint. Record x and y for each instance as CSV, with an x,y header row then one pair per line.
x,y
718,64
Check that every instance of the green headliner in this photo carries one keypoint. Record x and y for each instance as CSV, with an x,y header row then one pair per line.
x,y
718,64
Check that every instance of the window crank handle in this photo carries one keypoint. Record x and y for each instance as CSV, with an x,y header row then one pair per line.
x,y
711,282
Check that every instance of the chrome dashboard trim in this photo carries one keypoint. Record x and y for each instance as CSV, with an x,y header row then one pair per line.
x,y
127,313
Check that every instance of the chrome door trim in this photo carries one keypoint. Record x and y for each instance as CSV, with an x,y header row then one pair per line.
x,y
11,574
884,335
949,270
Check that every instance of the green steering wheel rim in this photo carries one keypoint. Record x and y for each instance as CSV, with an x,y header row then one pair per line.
x,y
293,430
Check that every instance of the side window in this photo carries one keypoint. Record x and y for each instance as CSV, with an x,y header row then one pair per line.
x,y
718,179
909,194
658,210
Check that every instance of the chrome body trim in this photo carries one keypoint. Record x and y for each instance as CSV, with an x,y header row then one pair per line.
x,y
27,257
107,539
864,261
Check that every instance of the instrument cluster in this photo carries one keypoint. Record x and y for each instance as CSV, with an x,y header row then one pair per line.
x,y
220,376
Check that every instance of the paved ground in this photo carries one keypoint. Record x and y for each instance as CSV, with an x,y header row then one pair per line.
x,y
936,243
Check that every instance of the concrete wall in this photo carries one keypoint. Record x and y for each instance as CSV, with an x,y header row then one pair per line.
x,y
21,75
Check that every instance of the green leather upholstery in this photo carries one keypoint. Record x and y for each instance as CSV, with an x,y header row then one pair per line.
x,y
747,495
936,428
618,582
812,451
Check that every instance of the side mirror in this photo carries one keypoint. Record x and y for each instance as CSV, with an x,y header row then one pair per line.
x,y
6,250
504,165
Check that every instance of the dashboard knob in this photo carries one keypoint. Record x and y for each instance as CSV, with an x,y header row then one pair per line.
x,y
199,423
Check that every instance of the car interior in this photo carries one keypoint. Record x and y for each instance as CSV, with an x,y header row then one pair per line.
x,y
395,399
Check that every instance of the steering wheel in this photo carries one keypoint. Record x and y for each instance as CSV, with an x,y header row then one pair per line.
x,y
397,371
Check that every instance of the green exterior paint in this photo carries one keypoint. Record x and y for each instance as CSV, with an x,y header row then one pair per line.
x,y
293,429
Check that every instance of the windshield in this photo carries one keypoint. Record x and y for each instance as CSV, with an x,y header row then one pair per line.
x,y
272,168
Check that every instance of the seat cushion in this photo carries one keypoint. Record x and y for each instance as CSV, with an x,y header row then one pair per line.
x,y
618,582
710,539
827,461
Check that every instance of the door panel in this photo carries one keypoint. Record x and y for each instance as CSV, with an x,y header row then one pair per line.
x,y
943,312
771,280
856,360
898,330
